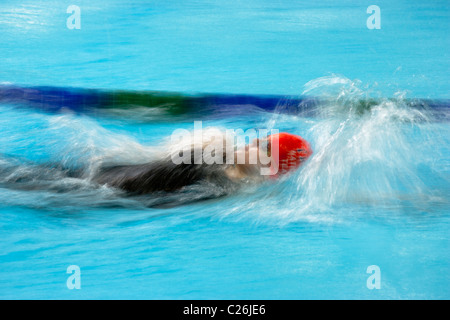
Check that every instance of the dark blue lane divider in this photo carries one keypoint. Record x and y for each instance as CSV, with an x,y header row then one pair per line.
x,y
54,99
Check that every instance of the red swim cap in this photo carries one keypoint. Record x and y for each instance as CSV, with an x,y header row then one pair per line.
x,y
292,151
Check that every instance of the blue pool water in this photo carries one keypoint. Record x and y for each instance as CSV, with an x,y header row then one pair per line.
x,y
375,192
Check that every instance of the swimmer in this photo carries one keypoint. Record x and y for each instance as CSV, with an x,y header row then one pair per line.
x,y
165,175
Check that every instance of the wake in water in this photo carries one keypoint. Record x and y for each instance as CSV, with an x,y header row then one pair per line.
x,y
98,176
368,151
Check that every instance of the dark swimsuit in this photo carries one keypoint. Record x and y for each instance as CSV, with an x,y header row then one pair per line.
x,y
161,175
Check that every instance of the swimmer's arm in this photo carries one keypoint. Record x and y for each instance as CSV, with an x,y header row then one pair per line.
x,y
234,173
239,172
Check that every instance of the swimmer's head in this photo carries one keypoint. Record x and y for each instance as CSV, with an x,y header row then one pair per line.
x,y
287,151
